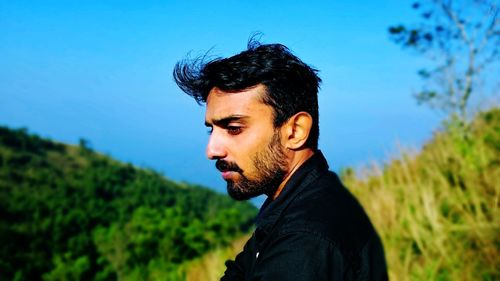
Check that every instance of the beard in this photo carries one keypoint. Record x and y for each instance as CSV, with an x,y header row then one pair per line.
x,y
271,166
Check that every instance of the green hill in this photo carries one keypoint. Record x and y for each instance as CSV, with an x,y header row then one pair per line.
x,y
69,213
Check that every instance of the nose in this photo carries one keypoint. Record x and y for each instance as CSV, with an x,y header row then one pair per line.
x,y
215,147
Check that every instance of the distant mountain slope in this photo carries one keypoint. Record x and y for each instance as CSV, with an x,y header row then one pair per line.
x,y
69,213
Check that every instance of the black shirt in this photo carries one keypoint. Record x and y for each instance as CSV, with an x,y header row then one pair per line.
x,y
314,230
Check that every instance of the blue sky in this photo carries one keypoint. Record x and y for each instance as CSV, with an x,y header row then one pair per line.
x,y
101,70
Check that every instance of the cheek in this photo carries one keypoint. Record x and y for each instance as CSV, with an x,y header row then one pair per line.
x,y
257,138
249,151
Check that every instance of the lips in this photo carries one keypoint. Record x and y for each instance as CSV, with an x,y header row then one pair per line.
x,y
228,169
227,175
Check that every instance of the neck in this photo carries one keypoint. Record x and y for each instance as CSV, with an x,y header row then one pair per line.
x,y
297,159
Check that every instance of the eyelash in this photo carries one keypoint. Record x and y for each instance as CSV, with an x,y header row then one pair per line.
x,y
233,130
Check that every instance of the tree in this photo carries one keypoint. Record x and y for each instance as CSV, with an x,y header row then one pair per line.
x,y
461,39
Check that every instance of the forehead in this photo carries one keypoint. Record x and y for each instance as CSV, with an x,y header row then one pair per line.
x,y
248,102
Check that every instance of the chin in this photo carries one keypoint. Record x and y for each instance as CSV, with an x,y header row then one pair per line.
x,y
238,194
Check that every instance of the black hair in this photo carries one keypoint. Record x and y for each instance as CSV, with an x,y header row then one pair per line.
x,y
291,85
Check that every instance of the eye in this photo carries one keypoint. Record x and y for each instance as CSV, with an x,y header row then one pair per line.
x,y
210,130
233,130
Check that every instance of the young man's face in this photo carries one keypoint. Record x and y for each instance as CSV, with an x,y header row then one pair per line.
x,y
244,142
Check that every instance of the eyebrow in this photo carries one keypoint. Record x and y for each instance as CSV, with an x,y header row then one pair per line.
x,y
221,122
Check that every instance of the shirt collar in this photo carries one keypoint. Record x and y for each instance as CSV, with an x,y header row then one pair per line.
x,y
309,171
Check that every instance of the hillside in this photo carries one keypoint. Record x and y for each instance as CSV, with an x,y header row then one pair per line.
x,y
69,213
437,210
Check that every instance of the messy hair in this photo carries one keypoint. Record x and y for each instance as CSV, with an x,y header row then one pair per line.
x,y
291,85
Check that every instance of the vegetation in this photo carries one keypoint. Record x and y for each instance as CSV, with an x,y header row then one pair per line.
x,y
437,211
68,213
460,39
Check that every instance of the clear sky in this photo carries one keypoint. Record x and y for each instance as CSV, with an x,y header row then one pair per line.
x,y
102,70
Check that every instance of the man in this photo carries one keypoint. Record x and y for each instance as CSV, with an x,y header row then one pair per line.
x,y
262,115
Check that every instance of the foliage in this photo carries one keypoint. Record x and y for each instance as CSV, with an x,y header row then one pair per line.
x,y
461,38
68,213
437,210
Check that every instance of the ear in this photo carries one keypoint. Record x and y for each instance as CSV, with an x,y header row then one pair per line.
x,y
296,130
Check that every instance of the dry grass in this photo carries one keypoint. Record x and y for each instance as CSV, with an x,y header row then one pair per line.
x,y
211,266
437,211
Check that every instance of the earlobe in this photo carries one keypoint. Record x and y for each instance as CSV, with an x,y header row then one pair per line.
x,y
298,129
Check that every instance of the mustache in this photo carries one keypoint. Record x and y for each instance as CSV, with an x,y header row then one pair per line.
x,y
223,166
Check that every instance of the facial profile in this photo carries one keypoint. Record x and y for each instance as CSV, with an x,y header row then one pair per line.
x,y
243,141
250,99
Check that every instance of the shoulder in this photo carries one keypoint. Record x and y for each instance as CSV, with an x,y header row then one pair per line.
x,y
327,210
